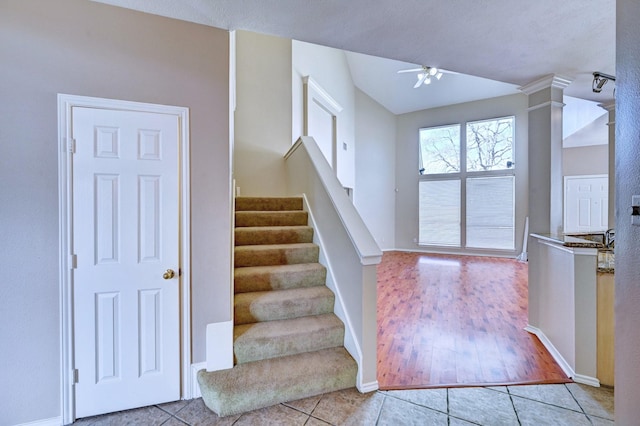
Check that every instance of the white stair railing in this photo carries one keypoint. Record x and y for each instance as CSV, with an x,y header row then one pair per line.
x,y
348,250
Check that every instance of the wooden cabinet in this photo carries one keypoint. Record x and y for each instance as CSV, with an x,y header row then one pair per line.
x,y
605,328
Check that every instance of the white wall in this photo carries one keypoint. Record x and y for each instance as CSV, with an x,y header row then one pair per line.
x,y
627,154
407,158
86,48
374,195
263,113
329,68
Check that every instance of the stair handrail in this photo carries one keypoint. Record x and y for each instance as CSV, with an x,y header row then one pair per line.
x,y
363,241
349,251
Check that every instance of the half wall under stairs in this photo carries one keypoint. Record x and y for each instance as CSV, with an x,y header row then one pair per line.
x,y
288,343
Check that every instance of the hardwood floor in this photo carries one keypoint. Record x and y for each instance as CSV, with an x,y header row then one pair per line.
x,y
446,320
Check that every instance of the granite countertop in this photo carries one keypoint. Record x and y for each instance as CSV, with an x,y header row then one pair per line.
x,y
606,258
606,261
569,240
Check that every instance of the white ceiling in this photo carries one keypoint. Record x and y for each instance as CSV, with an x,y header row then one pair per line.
x,y
379,78
509,41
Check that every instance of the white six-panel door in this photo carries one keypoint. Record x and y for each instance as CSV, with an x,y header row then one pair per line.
x,y
125,237
586,203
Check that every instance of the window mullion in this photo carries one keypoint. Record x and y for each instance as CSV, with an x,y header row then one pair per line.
x,y
463,185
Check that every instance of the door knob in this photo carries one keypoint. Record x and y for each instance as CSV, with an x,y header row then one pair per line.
x,y
168,274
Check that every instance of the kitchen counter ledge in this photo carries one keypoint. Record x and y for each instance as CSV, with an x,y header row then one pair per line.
x,y
568,241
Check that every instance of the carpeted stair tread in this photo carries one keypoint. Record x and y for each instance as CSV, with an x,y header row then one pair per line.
x,y
282,304
268,203
279,277
271,218
264,340
273,235
288,343
276,254
264,383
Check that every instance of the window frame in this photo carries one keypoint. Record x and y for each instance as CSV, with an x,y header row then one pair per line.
x,y
463,175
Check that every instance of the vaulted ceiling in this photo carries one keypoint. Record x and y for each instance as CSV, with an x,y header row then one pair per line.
x,y
509,41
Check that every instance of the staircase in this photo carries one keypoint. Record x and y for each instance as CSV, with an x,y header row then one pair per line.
x,y
288,344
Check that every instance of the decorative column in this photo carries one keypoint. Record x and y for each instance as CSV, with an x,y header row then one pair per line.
x,y
545,175
545,153
611,108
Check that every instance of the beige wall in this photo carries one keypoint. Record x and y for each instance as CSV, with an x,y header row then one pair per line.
x,y
84,48
585,160
263,113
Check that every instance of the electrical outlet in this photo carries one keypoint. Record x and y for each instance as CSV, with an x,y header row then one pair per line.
x,y
635,210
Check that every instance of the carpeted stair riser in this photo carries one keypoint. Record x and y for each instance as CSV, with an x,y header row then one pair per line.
x,y
273,235
264,340
288,343
271,218
276,254
279,277
268,204
269,382
282,304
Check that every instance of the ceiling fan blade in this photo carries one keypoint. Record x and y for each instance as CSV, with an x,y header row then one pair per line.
x,y
421,80
411,70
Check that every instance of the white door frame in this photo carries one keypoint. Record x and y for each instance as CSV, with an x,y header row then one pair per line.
x,y
313,92
66,147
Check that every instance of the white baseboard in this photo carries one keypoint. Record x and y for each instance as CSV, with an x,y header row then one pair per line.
x,y
587,380
454,252
368,387
195,387
54,421
568,370
566,367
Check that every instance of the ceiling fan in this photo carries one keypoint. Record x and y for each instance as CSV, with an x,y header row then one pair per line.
x,y
425,74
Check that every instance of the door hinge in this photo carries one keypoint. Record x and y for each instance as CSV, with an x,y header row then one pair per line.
x,y
74,376
73,261
71,145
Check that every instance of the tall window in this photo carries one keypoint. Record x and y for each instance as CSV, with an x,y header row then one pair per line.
x,y
466,188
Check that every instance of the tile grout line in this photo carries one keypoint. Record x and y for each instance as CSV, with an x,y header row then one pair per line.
x,y
513,405
448,411
553,405
384,399
419,405
577,402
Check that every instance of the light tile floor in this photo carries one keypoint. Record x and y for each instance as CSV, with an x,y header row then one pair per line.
x,y
566,404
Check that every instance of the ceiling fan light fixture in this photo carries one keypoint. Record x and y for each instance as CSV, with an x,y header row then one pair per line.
x,y
425,74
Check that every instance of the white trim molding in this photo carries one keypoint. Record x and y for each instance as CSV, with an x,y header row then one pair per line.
x,y
195,387
323,96
368,387
557,356
219,347
552,80
555,353
546,104
65,198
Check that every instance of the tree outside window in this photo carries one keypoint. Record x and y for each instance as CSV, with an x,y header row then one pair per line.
x,y
490,144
